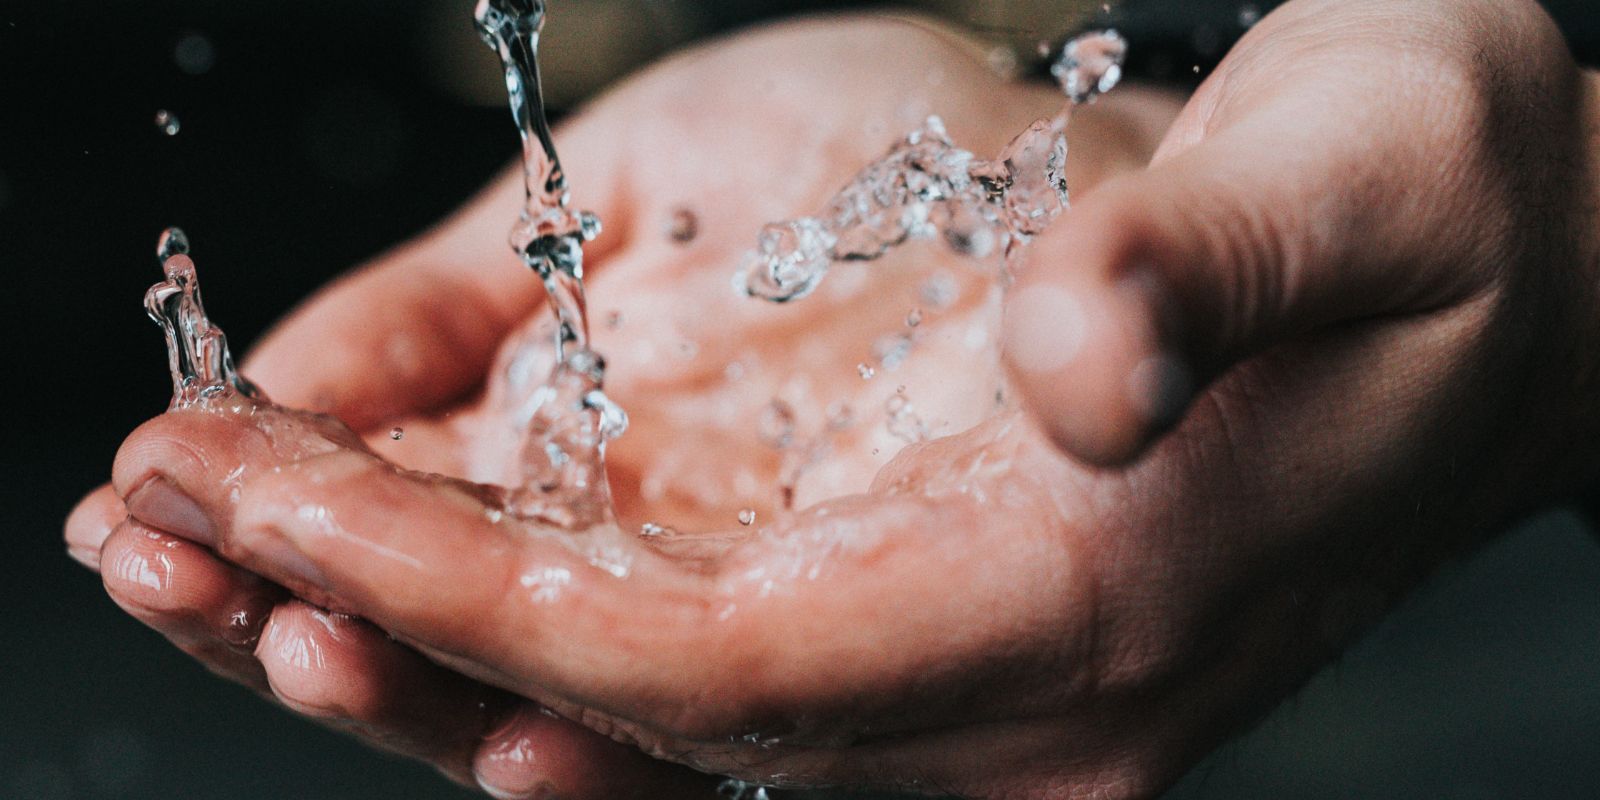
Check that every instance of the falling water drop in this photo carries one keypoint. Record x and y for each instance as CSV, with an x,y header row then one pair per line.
x,y
569,419
1090,65
168,122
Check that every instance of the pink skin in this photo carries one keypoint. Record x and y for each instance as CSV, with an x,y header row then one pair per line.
x,y
1368,242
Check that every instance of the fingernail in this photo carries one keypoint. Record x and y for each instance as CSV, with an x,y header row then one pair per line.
x,y
275,556
85,556
162,506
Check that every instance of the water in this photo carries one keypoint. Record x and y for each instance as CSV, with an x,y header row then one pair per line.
x,y
168,122
197,351
926,186
568,419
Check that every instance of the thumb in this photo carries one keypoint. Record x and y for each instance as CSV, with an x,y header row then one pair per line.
x,y
1159,281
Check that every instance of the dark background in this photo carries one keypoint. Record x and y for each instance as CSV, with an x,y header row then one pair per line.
x,y
315,134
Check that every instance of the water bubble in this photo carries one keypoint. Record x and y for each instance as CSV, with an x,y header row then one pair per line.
x,y
397,433
1090,65
777,424
914,318
168,122
194,54
684,227
747,516
866,371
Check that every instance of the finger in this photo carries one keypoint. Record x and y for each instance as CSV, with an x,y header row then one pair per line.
x,y
90,522
1268,228
659,650
416,328
534,754
346,673
212,610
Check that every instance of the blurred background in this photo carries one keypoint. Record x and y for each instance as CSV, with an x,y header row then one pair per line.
x,y
312,135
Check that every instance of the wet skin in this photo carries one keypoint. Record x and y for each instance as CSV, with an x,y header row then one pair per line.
x,y
1370,239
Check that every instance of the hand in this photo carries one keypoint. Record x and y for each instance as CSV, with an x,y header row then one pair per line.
x,y
410,339
1385,268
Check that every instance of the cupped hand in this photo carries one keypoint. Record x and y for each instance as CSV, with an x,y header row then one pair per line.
x,y
735,134
1363,242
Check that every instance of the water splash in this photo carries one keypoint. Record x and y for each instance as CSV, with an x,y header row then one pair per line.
x,y
197,351
569,419
734,789
926,186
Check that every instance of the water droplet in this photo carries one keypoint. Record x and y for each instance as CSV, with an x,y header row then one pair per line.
x,y
1090,65
684,227
651,530
194,54
173,242
397,433
614,321
747,516
914,318
866,371
168,122
1249,15
777,424
732,789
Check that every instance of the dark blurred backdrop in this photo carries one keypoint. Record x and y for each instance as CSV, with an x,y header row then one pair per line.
x,y
313,135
